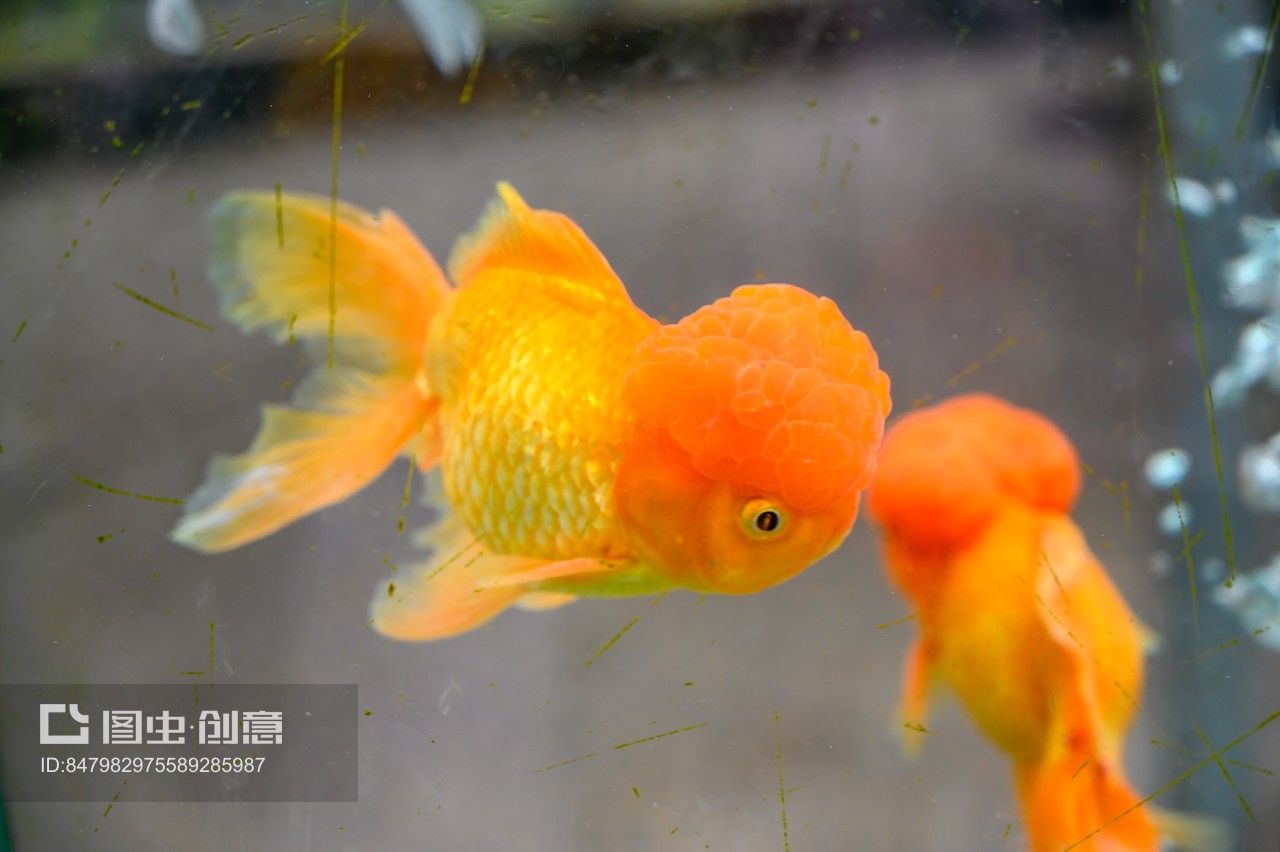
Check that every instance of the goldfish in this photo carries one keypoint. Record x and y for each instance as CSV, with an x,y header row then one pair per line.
x,y
1019,618
578,447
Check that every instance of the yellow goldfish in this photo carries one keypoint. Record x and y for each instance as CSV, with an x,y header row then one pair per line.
x,y
1019,617
584,448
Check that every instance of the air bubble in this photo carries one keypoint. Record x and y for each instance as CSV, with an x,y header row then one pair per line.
x,y
1259,472
1173,517
1224,189
1160,564
1245,42
1255,599
175,26
1170,73
1192,196
1166,468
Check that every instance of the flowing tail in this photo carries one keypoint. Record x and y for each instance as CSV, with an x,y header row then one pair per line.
x,y
1081,803
359,291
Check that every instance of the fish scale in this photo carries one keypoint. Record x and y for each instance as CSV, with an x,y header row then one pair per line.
x,y
532,442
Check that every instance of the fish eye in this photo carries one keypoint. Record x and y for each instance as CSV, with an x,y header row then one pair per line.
x,y
762,519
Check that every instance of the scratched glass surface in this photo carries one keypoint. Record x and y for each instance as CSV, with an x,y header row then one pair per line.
x,y
1067,204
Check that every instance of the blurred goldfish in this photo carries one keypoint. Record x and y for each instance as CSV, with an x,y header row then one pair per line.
x,y
1019,618
585,449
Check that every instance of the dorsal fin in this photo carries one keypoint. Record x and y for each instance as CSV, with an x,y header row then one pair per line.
x,y
511,235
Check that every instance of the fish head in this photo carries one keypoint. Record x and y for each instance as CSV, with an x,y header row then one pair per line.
x,y
945,471
759,417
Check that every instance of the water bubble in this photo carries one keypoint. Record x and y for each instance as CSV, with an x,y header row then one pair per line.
x,y
1192,196
1255,599
1259,233
175,26
1249,281
1229,387
1259,473
1161,563
1224,189
451,31
1173,517
1170,73
1213,569
1120,66
1166,468
1258,349
1257,356
1247,41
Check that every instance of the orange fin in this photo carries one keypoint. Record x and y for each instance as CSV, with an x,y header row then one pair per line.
x,y
546,572
302,460
445,596
1082,803
1085,614
1076,795
1150,639
542,601
511,235
271,267
1192,832
914,710
463,585
1088,805
583,577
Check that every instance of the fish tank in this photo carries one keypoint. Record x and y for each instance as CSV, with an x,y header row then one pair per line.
x,y
540,425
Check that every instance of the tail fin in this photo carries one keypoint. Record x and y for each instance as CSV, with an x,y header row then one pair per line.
x,y
365,302
1192,832
1083,804
1076,796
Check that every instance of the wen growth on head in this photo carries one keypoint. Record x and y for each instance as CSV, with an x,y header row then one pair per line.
x,y
584,448
1019,617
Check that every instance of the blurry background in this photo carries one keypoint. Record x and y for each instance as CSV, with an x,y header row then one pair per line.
x,y
979,185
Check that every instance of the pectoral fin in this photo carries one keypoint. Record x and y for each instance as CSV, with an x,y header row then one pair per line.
x,y
446,595
914,709
464,585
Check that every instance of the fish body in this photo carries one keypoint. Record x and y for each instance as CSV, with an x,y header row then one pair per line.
x,y
1018,617
535,424
583,448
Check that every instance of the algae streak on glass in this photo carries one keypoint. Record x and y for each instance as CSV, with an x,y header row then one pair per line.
x,y
584,448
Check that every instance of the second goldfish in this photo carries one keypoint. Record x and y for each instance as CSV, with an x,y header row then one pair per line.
x,y
1019,618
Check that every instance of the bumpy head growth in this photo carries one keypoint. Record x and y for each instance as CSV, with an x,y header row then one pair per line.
x,y
944,471
760,418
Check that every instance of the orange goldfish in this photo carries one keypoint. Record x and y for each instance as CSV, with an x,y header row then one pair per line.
x,y
1018,616
584,448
